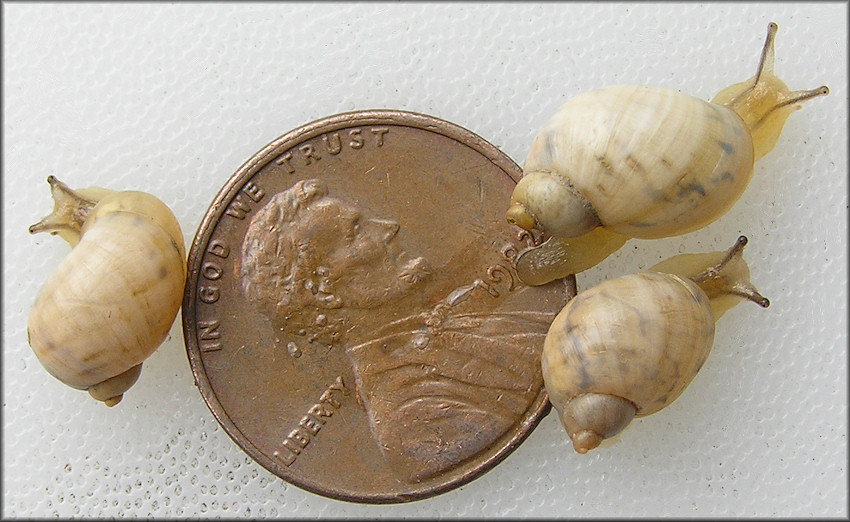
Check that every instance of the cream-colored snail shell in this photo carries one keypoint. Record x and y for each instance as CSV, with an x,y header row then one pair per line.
x,y
651,163
645,162
630,346
112,300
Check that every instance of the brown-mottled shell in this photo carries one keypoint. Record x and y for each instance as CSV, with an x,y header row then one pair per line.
x,y
642,337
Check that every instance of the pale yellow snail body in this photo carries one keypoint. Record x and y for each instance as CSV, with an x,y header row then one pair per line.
x,y
112,300
643,162
630,346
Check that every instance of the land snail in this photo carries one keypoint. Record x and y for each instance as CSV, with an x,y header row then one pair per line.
x,y
629,346
111,301
642,162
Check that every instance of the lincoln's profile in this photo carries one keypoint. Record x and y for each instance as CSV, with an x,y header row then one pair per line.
x,y
442,370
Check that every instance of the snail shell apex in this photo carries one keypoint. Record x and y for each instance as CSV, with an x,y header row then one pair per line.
x,y
112,300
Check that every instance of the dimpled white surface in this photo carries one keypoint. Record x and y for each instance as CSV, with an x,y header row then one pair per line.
x,y
171,99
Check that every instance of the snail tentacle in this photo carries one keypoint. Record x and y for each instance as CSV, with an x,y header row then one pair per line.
x,y
70,209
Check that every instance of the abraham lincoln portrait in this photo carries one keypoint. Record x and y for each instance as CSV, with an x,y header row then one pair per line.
x,y
442,370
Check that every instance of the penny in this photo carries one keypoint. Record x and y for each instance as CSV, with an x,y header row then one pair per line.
x,y
352,316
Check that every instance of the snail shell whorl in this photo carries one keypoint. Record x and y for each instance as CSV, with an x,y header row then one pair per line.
x,y
112,300
548,201
651,162
640,338
591,418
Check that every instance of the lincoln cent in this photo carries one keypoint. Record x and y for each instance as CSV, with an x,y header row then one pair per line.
x,y
352,316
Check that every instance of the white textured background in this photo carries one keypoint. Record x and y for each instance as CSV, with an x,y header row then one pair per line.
x,y
171,99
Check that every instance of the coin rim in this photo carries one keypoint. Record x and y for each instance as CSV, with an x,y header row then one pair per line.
x,y
540,407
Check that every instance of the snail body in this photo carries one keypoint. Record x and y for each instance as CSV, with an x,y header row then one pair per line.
x,y
630,346
643,162
112,300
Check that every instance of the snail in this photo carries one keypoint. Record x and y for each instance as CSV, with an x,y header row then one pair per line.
x,y
629,346
112,300
643,162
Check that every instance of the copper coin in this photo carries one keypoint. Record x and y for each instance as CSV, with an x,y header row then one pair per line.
x,y
352,316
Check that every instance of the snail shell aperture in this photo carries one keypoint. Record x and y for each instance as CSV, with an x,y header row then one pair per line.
x,y
630,346
643,162
112,300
